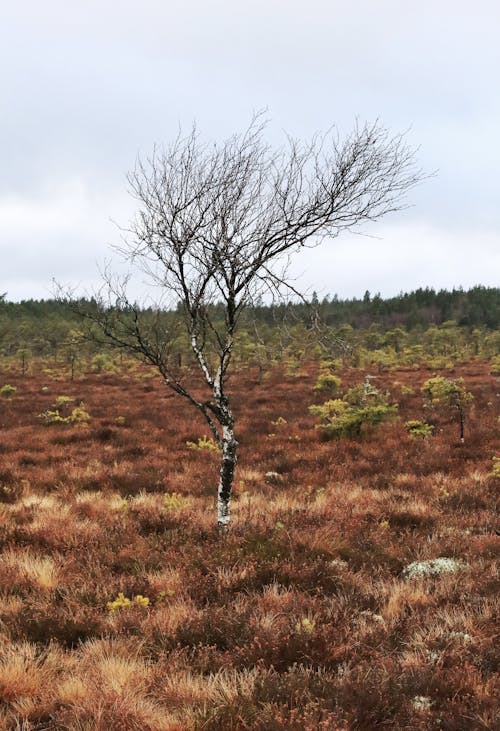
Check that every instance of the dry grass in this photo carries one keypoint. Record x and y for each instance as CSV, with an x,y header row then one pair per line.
x,y
22,566
298,618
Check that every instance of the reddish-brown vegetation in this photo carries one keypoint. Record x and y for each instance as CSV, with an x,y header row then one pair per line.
x,y
299,617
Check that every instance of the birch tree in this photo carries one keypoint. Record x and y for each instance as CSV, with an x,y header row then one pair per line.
x,y
218,223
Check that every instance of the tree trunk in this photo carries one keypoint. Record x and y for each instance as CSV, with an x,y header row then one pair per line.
x,y
229,458
261,373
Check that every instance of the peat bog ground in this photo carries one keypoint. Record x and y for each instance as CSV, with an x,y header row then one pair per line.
x,y
123,608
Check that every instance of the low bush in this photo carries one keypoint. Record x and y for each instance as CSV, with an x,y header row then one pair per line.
x,y
328,382
420,429
495,472
495,365
361,406
7,391
77,416
203,444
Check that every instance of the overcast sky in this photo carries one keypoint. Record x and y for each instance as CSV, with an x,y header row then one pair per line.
x,y
86,86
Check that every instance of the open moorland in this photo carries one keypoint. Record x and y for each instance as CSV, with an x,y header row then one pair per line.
x,y
122,607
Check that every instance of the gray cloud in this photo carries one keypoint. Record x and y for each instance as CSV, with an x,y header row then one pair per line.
x,y
85,86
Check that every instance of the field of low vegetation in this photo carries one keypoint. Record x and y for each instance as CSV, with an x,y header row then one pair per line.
x,y
355,589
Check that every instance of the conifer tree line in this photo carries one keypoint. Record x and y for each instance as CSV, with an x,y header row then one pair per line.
x,y
476,307
52,328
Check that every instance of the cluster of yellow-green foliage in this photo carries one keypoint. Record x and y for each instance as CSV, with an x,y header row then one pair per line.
x,y
174,500
495,365
360,406
365,405
305,626
102,363
448,394
203,444
328,382
495,472
441,391
420,429
78,415
123,602
7,391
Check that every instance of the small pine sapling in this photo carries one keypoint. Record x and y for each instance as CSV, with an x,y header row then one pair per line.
x,y
448,395
328,382
419,429
346,417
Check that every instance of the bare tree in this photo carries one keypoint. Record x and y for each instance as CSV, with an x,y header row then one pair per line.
x,y
218,224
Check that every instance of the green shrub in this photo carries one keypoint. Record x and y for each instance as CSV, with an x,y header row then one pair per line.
x,y
77,416
328,382
7,391
441,391
447,394
495,365
362,405
384,359
123,602
203,444
52,416
417,428
495,472
331,365
174,500
53,374
102,363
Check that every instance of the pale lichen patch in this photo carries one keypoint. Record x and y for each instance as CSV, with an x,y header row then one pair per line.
x,y
432,567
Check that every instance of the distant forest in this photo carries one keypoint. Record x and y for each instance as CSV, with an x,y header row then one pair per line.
x,y
476,307
427,327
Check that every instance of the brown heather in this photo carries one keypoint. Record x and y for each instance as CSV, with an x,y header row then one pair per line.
x,y
299,617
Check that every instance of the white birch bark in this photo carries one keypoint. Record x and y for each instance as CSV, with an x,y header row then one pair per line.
x,y
229,458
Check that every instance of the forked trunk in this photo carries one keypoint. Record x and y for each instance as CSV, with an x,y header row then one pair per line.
x,y
228,464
